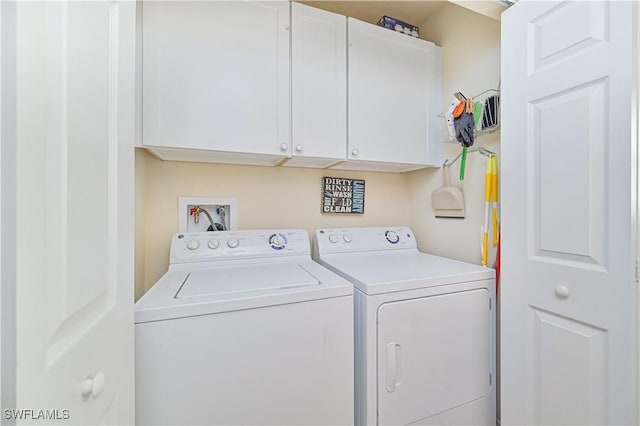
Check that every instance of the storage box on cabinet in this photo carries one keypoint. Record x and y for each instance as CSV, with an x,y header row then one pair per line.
x,y
216,80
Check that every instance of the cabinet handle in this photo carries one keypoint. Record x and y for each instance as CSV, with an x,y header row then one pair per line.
x,y
561,291
93,385
355,152
299,148
284,147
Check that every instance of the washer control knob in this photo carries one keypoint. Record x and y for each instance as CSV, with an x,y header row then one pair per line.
x,y
213,244
277,241
333,238
193,244
347,238
392,237
233,242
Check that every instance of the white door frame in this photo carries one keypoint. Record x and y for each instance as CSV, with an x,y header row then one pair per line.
x,y
635,133
8,148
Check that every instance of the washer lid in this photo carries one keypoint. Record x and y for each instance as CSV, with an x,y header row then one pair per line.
x,y
387,271
243,279
202,289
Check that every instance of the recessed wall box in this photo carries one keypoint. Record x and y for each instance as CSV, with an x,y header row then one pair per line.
x,y
198,214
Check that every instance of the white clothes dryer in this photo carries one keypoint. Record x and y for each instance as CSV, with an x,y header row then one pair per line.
x,y
244,328
424,329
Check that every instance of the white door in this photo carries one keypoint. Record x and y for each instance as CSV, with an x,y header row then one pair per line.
x,y
319,86
391,95
216,75
74,317
568,301
434,354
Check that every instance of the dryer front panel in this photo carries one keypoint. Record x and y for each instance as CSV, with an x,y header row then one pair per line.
x,y
434,355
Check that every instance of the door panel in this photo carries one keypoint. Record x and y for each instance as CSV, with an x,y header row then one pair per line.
x,y
568,163
568,297
566,29
434,354
570,386
75,208
81,171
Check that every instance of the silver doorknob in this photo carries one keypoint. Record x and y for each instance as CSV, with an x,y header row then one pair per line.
x,y
299,148
355,152
284,147
93,385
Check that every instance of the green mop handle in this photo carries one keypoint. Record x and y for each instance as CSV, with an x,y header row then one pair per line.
x,y
463,162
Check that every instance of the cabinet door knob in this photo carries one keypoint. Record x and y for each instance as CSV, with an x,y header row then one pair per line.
x,y
355,152
561,291
93,385
299,148
284,147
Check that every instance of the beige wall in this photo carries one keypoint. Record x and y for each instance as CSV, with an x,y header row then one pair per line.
x,y
471,64
268,197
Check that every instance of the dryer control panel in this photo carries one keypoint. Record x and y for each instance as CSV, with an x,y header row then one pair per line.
x,y
225,245
341,240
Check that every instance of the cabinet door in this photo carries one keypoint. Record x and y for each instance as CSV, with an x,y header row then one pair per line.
x,y
74,286
434,354
569,154
391,95
216,76
319,86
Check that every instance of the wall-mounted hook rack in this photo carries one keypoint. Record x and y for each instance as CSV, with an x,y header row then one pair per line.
x,y
486,115
479,149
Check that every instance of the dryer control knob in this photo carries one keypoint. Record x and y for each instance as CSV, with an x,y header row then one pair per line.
x,y
213,244
193,244
333,238
347,238
392,237
233,242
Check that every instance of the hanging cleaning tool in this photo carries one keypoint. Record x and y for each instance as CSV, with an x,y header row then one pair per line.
x,y
494,197
487,205
463,162
447,201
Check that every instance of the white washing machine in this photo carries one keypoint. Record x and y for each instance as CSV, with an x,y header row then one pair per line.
x,y
244,328
424,329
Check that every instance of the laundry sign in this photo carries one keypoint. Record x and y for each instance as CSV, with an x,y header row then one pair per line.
x,y
340,195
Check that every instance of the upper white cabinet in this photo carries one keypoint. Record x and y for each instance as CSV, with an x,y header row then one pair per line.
x,y
319,87
274,82
394,98
216,81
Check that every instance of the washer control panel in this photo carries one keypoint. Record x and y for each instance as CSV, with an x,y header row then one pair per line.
x,y
363,239
206,246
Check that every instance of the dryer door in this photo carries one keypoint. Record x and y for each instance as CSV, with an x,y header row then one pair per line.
x,y
433,355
